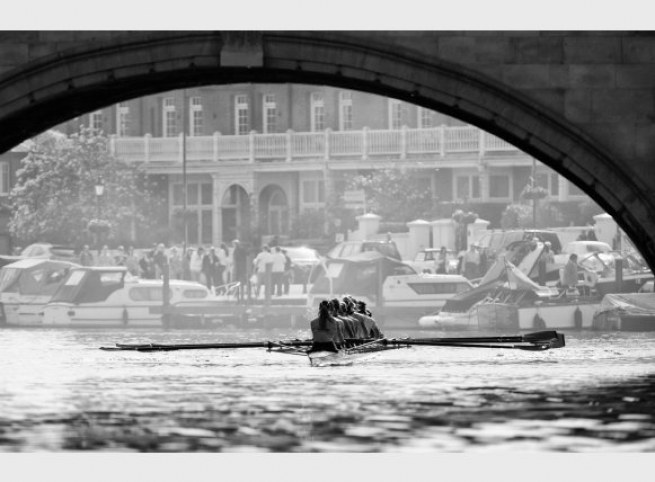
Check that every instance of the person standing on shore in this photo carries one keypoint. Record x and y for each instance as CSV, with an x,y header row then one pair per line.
x,y
279,260
240,260
195,264
86,258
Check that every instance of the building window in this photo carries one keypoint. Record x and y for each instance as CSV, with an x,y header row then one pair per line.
x,y
467,188
317,106
195,116
396,114
425,118
269,113
95,120
198,194
4,179
122,119
345,111
199,201
499,187
313,191
169,117
241,117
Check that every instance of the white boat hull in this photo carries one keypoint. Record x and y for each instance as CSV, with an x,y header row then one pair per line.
x,y
498,316
64,314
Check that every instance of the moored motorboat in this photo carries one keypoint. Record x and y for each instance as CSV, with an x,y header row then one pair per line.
x,y
517,303
110,297
26,286
392,289
626,312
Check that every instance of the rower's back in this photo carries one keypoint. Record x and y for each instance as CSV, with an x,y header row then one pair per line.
x,y
327,333
370,324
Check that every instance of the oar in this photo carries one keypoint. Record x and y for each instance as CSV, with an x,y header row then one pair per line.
x,y
542,340
202,346
539,347
536,337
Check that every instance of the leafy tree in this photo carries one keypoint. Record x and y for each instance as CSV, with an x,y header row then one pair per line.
x,y
516,216
397,195
54,196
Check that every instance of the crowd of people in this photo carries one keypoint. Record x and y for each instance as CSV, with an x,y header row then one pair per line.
x,y
269,273
342,324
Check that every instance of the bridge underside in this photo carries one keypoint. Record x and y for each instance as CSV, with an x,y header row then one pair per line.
x,y
60,86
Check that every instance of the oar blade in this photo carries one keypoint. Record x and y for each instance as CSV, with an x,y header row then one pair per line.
x,y
541,336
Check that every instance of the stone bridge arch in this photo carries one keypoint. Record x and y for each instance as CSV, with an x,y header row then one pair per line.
x,y
86,71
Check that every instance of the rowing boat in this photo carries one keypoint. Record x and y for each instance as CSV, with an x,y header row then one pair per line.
x,y
538,341
344,356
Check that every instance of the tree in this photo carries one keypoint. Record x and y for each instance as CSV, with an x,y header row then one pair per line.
x,y
516,216
54,196
397,195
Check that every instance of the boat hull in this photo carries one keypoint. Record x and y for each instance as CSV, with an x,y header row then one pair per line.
x,y
507,317
346,356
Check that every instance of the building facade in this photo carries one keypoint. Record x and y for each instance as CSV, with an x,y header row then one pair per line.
x,y
256,157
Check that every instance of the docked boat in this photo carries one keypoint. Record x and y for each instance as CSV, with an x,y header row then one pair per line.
x,y
393,290
26,286
626,312
510,300
111,297
614,272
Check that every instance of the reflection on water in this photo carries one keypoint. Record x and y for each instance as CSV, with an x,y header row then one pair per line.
x,y
59,392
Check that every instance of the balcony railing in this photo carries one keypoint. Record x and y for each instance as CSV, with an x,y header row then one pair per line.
x,y
292,146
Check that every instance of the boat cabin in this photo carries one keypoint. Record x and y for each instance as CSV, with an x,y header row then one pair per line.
x,y
27,285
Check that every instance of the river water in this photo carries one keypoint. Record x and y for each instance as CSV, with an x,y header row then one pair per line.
x,y
59,392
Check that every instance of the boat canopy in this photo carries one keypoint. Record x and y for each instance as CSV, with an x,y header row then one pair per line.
x,y
34,276
90,285
360,274
628,303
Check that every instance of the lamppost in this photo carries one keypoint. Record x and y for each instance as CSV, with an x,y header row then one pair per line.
x,y
100,190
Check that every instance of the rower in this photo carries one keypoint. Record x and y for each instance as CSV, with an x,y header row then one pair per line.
x,y
361,330
327,333
369,322
336,312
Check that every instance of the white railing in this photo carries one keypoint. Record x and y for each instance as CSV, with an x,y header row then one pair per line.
x,y
290,146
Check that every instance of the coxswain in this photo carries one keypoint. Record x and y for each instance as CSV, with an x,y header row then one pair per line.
x,y
366,316
327,332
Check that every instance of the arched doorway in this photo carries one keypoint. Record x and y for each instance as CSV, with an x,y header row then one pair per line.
x,y
274,209
235,210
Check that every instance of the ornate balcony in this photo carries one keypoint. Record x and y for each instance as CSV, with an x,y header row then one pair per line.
x,y
292,146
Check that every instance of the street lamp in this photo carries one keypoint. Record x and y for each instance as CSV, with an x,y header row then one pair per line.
x,y
100,190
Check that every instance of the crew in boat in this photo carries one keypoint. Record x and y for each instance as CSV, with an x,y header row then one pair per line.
x,y
372,329
327,331
336,312
348,309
